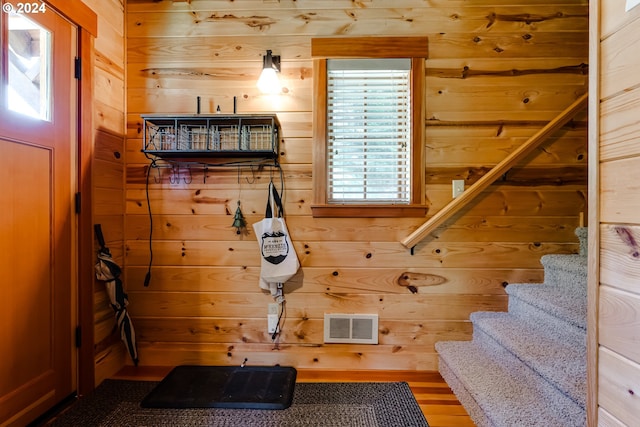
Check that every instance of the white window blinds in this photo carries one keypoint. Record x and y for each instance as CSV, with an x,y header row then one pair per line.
x,y
369,130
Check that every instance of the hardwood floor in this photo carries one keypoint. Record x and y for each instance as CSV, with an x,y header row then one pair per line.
x,y
438,403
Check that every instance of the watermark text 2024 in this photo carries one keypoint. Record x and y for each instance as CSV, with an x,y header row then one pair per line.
x,y
25,8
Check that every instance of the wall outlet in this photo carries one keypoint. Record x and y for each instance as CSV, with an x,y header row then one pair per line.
x,y
272,317
272,323
457,187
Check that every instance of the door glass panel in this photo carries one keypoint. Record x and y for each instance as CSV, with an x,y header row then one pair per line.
x,y
29,68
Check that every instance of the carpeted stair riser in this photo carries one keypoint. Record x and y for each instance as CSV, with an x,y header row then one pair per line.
x,y
548,304
551,353
527,367
507,392
473,409
565,270
555,398
583,238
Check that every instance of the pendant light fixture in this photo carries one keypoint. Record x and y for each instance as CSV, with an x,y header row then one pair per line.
x,y
269,83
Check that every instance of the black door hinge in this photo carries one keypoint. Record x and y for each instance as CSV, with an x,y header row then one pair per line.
x,y
77,68
78,336
78,202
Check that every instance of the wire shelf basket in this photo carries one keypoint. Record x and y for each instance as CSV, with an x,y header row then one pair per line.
x,y
211,136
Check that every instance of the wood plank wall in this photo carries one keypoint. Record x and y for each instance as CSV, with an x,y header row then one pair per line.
x,y
497,72
618,308
108,170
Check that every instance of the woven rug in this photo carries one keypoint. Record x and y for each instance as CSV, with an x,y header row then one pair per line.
x,y
117,403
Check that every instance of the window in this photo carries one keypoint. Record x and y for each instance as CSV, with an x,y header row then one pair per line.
x,y
29,67
368,127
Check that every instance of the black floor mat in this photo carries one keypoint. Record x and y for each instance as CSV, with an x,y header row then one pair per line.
x,y
249,387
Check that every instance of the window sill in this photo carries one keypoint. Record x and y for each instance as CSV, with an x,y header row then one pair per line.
x,y
368,211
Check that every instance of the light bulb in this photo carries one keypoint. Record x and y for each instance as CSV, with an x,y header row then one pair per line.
x,y
269,83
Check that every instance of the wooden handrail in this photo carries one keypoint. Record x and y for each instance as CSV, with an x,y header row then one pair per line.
x,y
497,171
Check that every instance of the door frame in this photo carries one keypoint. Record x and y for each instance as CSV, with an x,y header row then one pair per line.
x,y
86,21
593,274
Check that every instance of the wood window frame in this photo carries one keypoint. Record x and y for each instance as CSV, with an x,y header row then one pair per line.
x,y
415,48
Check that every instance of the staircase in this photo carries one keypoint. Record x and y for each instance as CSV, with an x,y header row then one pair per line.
x,y
527,366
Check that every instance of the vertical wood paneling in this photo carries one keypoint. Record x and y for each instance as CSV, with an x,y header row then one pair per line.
x,y
493,78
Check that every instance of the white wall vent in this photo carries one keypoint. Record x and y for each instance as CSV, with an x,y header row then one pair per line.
x,y
351,328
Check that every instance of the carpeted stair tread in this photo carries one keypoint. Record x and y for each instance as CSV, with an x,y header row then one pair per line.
x,y
557,354
568,304
569,262
527,367
503,389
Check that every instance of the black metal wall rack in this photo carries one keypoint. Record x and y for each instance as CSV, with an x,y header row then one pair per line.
x,y
212,139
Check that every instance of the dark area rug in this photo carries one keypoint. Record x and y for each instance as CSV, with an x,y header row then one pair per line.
x,y
238,387
117,403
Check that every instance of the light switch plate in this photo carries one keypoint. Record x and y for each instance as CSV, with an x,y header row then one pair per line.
x,y
457,186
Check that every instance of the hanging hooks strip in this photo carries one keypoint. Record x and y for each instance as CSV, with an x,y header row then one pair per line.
x,y
190,176
175,174
253,175
176,166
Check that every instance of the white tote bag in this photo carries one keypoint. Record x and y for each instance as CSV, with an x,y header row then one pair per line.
x,y
279,261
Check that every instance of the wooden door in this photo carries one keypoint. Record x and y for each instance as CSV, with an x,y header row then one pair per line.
x,y
37,220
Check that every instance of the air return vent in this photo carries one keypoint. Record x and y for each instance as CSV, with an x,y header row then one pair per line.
x,y
351,328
